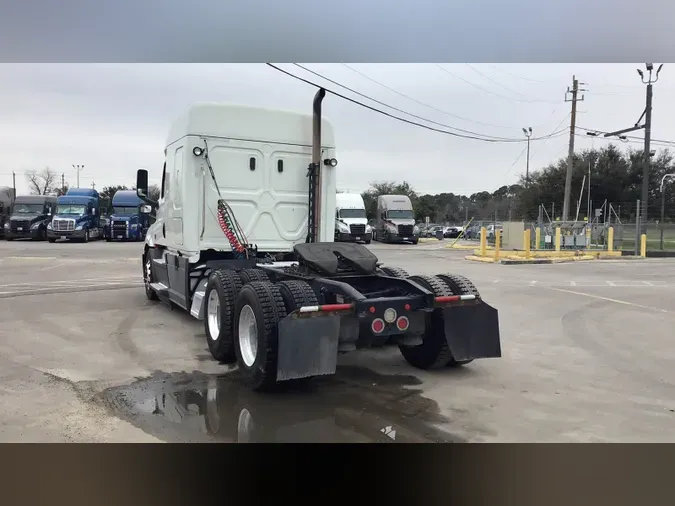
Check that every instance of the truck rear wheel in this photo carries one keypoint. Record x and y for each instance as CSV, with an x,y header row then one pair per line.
x,y
220,295
434,352
297,294
395,272
248,275
459,285
259,308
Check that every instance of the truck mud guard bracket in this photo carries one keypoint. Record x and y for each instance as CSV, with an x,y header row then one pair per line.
x,y
472,331
308,346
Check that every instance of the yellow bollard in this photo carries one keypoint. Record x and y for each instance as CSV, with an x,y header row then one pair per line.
x,y
537,238
643,245
483,241
610,239
498,240
526,243
557,239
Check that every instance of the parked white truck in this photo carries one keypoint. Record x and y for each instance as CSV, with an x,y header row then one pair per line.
x,y
351,222
243,240
396,220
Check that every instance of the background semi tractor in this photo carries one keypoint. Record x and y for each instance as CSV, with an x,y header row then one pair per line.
x,y
396,220
351,223
243,240
77,216
126,223
30,217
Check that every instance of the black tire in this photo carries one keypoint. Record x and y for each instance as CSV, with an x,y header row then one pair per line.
x,y
108,239
147,275
9,238
50,239
368,241
297,294
415,241
86,235
266,303
249,275
394,272
226,285
434,352
459,285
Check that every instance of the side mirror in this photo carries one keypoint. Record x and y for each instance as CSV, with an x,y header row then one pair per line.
x,y
142,183
146,209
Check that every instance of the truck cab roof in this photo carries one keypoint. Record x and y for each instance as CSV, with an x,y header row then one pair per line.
x,y
231,121
126,198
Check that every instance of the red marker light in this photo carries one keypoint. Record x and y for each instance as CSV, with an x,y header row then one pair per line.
x,y
402,323
372,309
377,326
407,307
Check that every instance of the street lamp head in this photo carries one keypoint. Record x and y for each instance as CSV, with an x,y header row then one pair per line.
x,y
525,131
530,129
640,72
659,70
650,66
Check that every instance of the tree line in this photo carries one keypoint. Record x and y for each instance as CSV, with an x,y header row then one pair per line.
x,y
615,178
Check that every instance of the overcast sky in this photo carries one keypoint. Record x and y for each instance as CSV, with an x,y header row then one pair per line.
x,y
114,118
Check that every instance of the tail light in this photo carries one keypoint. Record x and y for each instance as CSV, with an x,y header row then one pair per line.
x,y
390,315
377,326
402,323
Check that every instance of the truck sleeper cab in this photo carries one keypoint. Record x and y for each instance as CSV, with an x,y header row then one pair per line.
x,y
126,223
30,217
77,216
243,241
396,220
351,222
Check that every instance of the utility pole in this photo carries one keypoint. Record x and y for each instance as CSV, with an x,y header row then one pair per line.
x,y
63,182
528,133
647,115
78,168
570,155
14,182
93,185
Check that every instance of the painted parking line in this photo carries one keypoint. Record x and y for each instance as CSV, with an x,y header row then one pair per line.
x,y
608,299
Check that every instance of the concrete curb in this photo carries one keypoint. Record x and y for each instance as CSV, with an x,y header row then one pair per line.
x,y
536,261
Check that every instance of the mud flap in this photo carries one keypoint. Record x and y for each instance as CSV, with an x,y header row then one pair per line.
x,y
472,331
308,346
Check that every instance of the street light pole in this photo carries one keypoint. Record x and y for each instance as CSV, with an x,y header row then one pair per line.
x,y
78,168
528,133
663,203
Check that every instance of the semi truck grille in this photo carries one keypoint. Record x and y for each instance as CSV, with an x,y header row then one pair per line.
x,y
119,225
357,229
63,225
405,230
24,225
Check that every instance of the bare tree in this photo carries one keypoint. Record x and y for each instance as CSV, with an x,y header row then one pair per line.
x,y
154,192
43,182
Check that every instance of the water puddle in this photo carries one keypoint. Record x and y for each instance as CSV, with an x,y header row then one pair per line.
x,y
355,405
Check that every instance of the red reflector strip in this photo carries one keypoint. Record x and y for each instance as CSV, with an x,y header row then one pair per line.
x,y
454,298
326,308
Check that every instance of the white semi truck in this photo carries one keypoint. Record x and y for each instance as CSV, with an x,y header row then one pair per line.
x,y
351,222
243,240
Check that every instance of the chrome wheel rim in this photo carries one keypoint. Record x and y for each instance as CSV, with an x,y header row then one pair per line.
x,y
213,314
148,272
248,335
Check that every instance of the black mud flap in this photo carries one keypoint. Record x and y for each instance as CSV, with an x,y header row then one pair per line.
x,y
308,346
472,331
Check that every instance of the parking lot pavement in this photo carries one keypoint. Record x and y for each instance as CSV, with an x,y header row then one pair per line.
x,y
587,356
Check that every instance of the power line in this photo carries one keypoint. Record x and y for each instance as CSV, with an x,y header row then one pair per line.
x,y
404,120
490,91
626,136
422,103
520,77
493,81
396,108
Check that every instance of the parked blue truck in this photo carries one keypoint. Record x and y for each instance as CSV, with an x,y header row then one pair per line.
x,y
126,223
77,216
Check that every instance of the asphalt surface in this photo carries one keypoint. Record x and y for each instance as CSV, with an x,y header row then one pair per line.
x,y
84,356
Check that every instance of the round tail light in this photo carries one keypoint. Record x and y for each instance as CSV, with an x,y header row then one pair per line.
x,y
377,326
402,323
390,315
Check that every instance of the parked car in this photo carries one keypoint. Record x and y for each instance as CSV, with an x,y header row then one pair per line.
x,y
452,232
